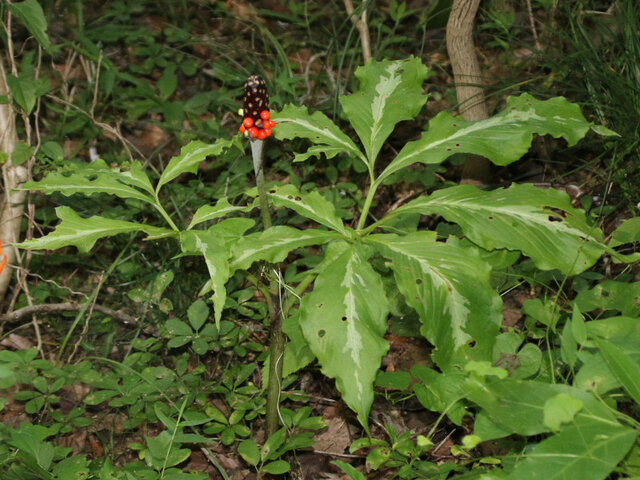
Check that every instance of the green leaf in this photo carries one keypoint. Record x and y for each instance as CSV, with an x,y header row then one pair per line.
x,y
561,409
349,470
274,244
72,468
276,468
211,212
579,329
503,138
627,232
96,398
164,453
30,440
390,91
168,83
97,178
295,122
26,90
448,286
297,353
198,312
622,366
248,450
7,376
177,327
521,217
518,405
32,16
440,392
210,244
395,380
53,150
344,321
84,232
271,446
21,153
588,450
611,295
310,205
191,155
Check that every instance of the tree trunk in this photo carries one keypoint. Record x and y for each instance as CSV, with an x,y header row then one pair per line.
x,y
466,75
13,177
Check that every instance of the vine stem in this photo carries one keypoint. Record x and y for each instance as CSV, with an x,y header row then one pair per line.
x,y
277,340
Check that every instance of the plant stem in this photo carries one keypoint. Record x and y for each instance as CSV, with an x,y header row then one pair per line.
x,y
277,340
257,152
164,214
367,205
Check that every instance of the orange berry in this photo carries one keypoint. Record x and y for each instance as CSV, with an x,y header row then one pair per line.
x,y
242,129
248,122
262,134
265,114
267,131
270,123
254,132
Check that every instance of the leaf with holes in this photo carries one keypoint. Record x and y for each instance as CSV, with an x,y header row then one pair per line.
x,y
503,138
310,205
84,232
390,92
540,223
448,286
296,122
344,321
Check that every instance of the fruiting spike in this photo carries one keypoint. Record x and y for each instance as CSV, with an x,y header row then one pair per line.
x,y
256,121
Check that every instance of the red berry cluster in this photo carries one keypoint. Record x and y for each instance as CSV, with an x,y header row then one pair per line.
x,y
255,111
249,127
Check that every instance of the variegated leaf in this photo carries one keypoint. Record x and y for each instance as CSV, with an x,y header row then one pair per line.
x,y
310,205
191,155
503,138
344,321
295,122
211,212
540,223
94,178
84,232
216,256
448,286
390,91
274,244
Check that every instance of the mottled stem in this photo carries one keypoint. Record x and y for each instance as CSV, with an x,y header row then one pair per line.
x,y
277,340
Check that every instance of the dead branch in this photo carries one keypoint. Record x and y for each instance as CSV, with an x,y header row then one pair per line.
x,y
363,28
51,308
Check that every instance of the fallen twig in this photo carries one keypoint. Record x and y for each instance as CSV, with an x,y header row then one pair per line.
x,y
48,308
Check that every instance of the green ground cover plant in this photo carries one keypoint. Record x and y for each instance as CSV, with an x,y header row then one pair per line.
x,y
341,320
